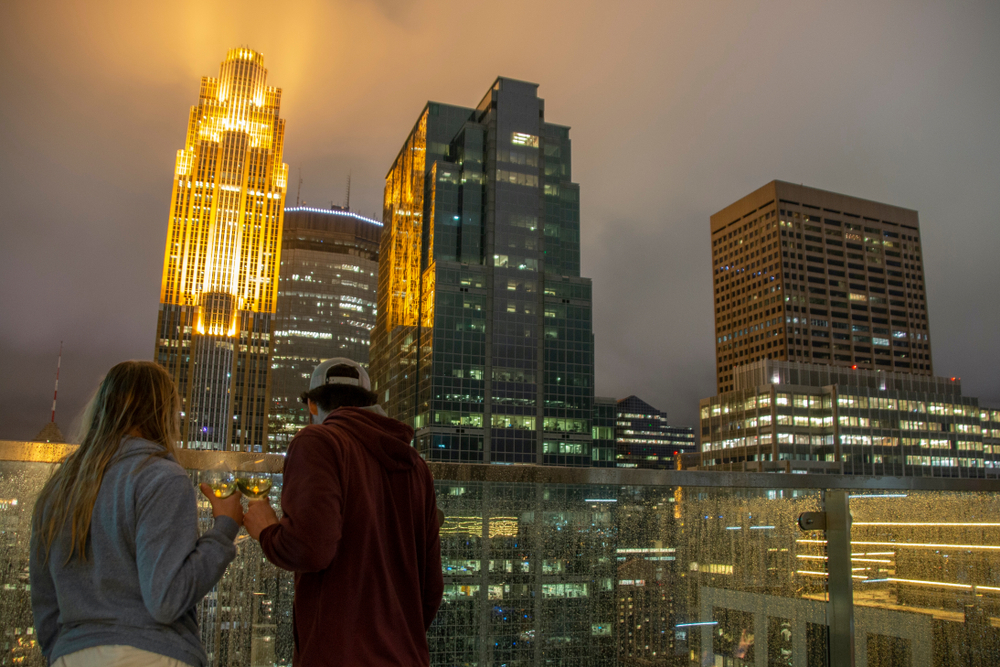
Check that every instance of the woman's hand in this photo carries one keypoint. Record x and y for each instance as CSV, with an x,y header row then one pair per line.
x,y
229,506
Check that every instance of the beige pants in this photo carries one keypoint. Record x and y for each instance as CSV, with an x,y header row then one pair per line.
x,y
116,656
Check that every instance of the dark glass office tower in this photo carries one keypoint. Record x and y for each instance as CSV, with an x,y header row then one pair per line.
x,y
603,449
326,305
483,340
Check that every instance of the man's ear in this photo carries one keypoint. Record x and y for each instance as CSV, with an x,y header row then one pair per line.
x,y
313,409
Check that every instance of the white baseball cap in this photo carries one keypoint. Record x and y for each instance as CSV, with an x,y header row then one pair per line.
x,y
321,375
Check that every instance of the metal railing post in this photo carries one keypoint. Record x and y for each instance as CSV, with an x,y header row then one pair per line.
x,y
840,609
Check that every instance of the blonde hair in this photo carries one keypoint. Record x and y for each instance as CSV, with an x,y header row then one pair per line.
x,y
135,397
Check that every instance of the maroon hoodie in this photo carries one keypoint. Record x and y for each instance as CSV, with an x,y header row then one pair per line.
x,y
360,532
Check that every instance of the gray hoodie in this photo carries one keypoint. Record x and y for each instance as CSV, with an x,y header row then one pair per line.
x,y
146,567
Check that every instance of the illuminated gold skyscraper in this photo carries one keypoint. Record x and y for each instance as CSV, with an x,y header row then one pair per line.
x,y
220,267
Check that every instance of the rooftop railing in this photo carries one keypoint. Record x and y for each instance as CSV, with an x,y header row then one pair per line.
x,y
587,566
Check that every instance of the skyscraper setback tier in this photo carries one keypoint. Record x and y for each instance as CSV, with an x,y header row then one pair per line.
x,y
220,266
326,305
483,339
807,275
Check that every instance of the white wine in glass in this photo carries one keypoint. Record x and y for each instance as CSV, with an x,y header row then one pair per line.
x,y
221,480
253,485
223,489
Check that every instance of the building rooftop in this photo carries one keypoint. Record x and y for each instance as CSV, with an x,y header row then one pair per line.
x,y
333,211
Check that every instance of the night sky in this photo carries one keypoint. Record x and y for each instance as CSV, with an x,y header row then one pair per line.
x,y
677,109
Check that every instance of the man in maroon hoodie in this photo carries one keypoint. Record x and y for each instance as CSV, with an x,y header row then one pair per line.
x,y
359,530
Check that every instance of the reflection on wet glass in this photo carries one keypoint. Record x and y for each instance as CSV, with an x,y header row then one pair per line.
x,y
927,581
585,574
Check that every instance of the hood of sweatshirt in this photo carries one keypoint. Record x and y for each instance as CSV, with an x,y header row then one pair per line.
x,y
387,439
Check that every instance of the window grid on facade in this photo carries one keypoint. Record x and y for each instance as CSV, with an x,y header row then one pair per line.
x,y
220,268
807,275
326,305
484,338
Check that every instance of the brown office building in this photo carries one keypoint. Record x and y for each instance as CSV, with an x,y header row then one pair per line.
x,y
806,275
823,356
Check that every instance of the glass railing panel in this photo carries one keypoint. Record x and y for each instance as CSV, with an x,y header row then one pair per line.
x,y
247,618
751,593
603,575
926,578
20,483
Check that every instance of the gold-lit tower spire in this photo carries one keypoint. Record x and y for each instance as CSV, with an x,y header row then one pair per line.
x,y
220,266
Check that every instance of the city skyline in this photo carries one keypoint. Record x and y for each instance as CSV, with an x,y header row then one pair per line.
x,y
875,117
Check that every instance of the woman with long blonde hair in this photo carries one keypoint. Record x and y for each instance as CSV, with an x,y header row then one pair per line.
x,y
117,565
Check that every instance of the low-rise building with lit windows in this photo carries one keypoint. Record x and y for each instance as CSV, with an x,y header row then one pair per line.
x,y
643,438
326,305
794,417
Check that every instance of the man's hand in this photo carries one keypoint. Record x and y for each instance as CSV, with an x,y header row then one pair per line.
x,y
259,516
229,506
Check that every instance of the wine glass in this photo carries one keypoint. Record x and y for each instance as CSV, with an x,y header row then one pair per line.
x,y
253,480
220,478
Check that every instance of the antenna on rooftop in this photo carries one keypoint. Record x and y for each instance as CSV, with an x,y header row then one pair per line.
x,y
50,432
347,199
299,191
